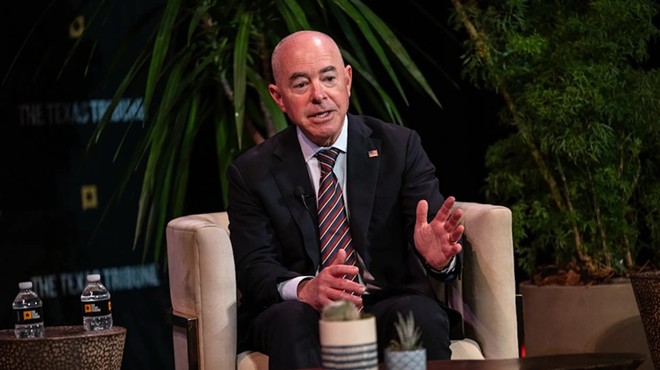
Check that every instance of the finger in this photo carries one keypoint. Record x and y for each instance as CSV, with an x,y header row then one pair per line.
x,y
454,220
342,271
421,212
355,299
334,275
456,234
351,286
340,258
455,249
445,210
345,295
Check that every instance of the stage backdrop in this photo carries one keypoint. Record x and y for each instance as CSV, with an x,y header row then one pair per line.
x,y
53,192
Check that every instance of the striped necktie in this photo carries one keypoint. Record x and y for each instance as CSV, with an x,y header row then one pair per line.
x,y
333,223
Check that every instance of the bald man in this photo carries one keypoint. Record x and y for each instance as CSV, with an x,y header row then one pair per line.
x,y
401,231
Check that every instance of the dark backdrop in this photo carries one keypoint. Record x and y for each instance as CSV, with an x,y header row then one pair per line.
x,y
457,134
53,192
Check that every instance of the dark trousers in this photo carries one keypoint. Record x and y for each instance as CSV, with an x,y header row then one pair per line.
x,y
288,332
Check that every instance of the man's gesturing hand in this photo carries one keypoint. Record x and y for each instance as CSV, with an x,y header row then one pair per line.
x,y
332,284
437,241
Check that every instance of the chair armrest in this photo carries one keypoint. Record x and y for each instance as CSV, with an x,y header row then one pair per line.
x,y
203,286
486,292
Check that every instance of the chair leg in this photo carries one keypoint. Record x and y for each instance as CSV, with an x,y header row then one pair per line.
x,y
189,325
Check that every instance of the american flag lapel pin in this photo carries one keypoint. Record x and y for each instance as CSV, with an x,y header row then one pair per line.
x,y
373,153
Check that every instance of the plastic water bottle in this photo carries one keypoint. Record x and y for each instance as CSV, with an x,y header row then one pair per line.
x,y
96,305
28,309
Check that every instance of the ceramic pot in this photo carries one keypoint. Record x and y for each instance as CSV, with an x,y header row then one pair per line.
x,y
405,360
349,344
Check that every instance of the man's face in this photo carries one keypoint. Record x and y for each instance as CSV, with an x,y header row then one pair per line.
x,y
313,87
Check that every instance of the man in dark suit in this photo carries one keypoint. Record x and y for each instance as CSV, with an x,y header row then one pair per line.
x,y
402,228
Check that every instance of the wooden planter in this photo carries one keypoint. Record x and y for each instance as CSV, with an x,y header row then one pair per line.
x,y
579,319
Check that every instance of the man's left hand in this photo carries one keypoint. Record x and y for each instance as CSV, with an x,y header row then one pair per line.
x,y
438,241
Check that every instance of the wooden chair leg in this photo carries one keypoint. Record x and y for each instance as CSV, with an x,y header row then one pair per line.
x,y
189,326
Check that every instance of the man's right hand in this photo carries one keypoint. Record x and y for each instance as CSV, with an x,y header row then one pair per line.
x,y
332,284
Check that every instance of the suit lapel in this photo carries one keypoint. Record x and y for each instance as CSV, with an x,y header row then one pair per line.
x,y
363,163
290,172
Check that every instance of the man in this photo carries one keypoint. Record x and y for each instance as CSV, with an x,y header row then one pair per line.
x,y
400,227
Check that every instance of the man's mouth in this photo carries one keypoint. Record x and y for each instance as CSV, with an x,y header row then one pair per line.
x,y
322,115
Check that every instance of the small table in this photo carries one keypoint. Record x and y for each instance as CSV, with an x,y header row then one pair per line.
x,y
65,348
581,361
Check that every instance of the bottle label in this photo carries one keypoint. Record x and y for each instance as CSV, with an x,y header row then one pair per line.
x,y
29,315
98,308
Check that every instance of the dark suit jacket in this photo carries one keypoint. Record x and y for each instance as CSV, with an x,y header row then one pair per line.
x,y
273,225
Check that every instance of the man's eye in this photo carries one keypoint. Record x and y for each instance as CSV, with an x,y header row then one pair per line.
x,y
299,85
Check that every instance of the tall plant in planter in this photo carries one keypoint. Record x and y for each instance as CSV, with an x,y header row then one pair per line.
x,y
208,63
580,168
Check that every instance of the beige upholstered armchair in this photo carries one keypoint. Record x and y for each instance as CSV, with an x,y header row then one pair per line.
x,y
204,296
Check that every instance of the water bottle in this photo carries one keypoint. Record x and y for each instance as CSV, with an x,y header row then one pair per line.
x,y
96,305
28,309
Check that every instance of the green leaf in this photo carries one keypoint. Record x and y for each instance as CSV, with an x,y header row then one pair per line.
x,y
240,62
397,49
161,46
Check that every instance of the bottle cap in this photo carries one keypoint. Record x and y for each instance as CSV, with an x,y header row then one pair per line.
x,y
25,285
93,277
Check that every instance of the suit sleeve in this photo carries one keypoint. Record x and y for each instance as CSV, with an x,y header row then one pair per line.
x,y
422,183
256,249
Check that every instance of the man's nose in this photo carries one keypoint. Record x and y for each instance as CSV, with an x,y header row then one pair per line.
x,y
318,92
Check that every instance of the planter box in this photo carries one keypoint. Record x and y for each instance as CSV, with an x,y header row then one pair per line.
x,y
405,360
349,344
578,319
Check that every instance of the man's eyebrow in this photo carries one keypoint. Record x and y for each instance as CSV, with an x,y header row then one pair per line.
x,y
328,69
298,75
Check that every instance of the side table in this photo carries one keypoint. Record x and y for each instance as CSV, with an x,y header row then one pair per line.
x,y
65,348
575,361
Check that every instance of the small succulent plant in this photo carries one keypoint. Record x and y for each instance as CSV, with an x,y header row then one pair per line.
x,y
340,311
408,334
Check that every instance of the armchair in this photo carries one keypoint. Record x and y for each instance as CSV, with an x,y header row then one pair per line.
x,y
204,296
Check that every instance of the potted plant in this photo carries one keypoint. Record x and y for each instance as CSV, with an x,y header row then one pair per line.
x,y
406,351
348,337
578,165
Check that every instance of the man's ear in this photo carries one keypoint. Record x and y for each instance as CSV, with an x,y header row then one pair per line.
x,y
277,97
349,77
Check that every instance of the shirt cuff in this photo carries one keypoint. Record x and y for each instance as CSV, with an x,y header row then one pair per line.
x,y
289,288
445,270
